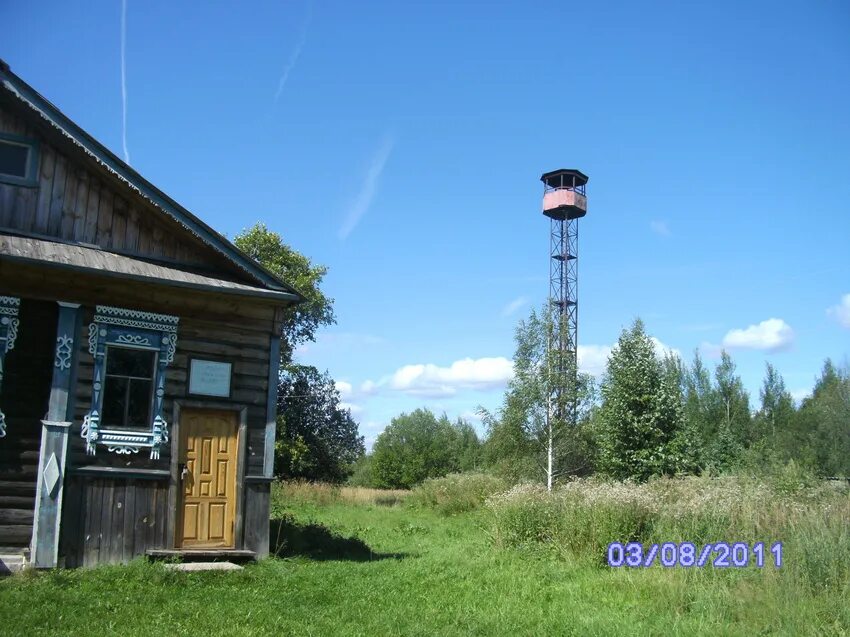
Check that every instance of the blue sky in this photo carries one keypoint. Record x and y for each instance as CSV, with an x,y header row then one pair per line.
x,y
401,144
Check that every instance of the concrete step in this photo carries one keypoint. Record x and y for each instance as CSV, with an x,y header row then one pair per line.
x,y
12,563
204,566
203,555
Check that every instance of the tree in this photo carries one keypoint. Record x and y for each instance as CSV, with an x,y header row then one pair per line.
x,y
777,406
641,412
698,404
530,429
300,322
414,447
824,422
730,421
466,447
316,438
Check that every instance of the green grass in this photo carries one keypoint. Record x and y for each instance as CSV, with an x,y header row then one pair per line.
x,y
353,567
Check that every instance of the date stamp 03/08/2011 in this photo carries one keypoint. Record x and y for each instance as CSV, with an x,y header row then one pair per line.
x,y
688,554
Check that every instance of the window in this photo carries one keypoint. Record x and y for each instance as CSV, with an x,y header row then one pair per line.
x,y
128,388
131,351
18,160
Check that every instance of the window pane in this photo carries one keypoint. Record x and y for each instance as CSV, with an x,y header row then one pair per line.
x,y
129,362
114,399
13,159
140,404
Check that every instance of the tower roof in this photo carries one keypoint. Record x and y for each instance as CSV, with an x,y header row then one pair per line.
x,y
553,178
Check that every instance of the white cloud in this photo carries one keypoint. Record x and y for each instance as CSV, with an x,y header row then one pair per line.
x,y
345,389
710,350
471,416
660,228
662,350
368,388
352,407
433,381
592,359
514,305
841,312
296,52
771,335
363,201
800,394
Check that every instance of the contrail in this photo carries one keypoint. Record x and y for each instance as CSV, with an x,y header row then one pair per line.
x,y
290,64
124,78
370,184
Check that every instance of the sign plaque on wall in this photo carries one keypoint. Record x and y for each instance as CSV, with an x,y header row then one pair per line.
x,y
209,378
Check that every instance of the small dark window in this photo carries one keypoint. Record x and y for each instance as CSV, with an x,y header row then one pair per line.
x,y
128,390
14,159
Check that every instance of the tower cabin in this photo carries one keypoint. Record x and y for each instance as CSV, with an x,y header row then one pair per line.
x,y
564,196
139,357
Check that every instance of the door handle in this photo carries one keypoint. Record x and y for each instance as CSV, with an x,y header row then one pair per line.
x,y
184,470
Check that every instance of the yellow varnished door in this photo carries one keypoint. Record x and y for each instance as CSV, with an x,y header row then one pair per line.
x,y
208,451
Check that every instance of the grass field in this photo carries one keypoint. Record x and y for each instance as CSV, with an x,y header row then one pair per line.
x,y
359,562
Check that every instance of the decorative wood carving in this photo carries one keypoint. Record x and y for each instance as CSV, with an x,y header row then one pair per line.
x,y
141,330
9,306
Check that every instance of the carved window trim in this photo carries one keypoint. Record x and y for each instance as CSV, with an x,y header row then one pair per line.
x,y
9,307
115,326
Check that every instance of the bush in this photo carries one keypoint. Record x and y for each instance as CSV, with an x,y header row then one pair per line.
x,y
456,492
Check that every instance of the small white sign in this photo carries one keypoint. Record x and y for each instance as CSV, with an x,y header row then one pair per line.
x,y
209,378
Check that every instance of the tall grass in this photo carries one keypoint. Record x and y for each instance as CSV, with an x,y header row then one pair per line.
x,y
321,494
580,519
456,492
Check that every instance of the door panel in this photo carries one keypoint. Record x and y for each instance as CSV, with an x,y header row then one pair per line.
x,y
208,448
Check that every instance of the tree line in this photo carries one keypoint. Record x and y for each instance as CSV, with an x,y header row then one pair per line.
x,y
649,414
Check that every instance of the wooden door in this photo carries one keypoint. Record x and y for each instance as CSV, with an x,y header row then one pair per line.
x,y
208,450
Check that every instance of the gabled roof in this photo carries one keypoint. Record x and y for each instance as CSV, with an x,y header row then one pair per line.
x,y
39,108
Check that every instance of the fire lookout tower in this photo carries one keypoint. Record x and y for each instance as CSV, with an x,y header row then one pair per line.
x,y
564,202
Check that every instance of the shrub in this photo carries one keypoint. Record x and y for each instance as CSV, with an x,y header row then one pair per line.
x,y
456,492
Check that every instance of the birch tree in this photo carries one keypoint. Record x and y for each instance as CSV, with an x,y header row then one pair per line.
x,y
531,421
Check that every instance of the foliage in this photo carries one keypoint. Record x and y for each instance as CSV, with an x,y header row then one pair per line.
x,y
641,414
300,322
822,430
316,438
457,492
361,472
419,445
531,436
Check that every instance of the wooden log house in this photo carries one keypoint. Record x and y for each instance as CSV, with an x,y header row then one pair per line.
x,y
139,353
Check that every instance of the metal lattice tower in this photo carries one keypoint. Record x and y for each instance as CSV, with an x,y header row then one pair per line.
x,y
564,202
